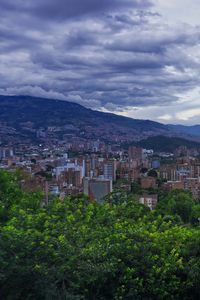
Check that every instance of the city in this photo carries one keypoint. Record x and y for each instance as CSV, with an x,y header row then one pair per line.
x,y
99,150
97,169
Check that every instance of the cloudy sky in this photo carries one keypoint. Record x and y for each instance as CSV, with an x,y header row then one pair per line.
x,y
138,58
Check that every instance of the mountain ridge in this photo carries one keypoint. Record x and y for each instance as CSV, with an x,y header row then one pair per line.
x,y
29,98
193,130
22,117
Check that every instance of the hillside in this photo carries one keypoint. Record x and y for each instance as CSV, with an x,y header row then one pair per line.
x,y
167,144
22,116
191,130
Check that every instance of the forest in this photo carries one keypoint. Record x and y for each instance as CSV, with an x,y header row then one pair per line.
x,y
80,250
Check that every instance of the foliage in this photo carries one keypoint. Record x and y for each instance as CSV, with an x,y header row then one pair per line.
x,y
81,250
166,144
152,173
44,174
195,214
135,188
177,202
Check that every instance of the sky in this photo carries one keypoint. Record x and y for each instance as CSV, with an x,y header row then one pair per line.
x,y
137,58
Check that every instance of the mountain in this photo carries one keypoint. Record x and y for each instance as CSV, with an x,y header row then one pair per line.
x,y
27,118
189,130
31,120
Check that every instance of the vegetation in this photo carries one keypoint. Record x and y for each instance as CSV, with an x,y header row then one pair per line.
x,y
81,250
161,143
17,111
152,173
167,144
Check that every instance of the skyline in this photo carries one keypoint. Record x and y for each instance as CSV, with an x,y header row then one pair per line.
x,y
135,58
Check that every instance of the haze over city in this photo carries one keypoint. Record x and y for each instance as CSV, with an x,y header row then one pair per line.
x,y
135,58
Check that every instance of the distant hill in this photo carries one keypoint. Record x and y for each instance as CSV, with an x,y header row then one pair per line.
x,y
167,144
190,130
23,116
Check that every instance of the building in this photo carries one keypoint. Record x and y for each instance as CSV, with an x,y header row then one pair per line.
x,y
97,188
193,185
134,174
173,185
6,153
135,153
148,182
149,200
110,170
155,164
169,172
72,177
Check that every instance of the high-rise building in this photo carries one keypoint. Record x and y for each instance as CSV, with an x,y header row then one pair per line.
x,y
97,188
6,153
110,170
135,153
73,177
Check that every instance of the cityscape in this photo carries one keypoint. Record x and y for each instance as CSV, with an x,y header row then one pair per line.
x,y
99,150
95,168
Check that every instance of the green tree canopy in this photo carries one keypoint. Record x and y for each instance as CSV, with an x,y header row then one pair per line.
x,y
77,249
177,202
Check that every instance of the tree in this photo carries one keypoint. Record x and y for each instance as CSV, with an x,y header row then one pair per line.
x,y
135,187
152,173
77,249
195,214
177,202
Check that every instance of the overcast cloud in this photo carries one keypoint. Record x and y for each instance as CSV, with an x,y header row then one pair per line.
x,y
138,58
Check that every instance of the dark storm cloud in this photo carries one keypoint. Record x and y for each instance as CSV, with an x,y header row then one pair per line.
x,y
111,54
11,41
62,9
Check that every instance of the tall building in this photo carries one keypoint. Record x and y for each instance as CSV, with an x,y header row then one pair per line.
x,y
110,170
87,167
6,153
97,188
135,153
169,173
73,177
